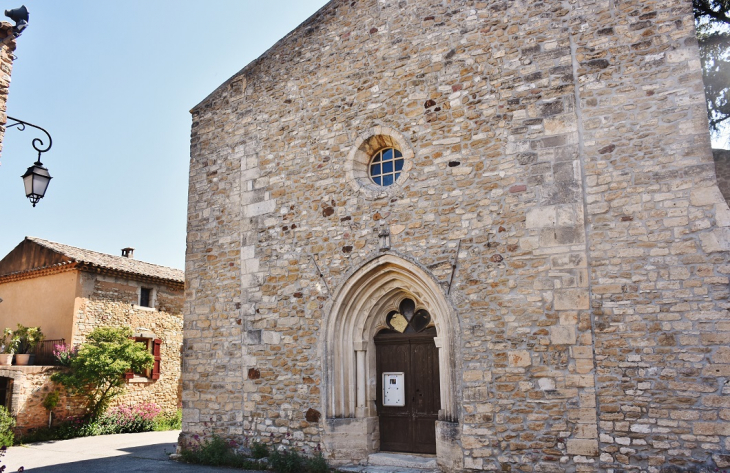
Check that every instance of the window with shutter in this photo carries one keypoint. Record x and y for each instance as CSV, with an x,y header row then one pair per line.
x,y
156,345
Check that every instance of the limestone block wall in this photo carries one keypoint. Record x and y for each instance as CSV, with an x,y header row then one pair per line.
x,y
28,388
113,301
657,245
562,147
7,47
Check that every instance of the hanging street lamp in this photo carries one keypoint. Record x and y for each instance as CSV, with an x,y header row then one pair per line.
x,y
36,178
21,17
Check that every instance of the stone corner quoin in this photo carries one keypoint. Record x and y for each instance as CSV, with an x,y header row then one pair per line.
x,y
558,158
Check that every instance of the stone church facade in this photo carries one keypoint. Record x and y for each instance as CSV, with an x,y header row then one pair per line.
x,y
510,207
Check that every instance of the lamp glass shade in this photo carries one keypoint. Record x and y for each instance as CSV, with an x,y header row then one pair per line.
x,y
36,180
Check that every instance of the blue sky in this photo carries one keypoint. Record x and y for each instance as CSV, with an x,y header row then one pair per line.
x,y
113,83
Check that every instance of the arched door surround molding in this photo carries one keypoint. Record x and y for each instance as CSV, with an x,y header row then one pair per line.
x,y
359,312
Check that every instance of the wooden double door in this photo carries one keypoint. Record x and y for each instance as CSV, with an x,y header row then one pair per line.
x,y
410,428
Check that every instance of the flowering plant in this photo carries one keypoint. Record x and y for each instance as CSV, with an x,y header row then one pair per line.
x,y
128,419
64,354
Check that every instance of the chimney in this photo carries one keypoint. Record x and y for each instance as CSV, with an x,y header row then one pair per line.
x,y
128,253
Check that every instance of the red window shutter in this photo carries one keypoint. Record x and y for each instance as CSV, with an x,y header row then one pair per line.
x,y
128,375
156,343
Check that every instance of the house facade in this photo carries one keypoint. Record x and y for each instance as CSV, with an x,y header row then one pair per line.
x,y
489,231
70,291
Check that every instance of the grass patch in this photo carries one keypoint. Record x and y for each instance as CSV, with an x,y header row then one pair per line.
x,y
168,421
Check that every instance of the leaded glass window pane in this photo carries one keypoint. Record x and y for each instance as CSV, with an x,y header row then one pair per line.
x,y
404,320
386,166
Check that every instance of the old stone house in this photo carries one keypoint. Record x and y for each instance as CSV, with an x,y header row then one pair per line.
x,y
484,230
68,292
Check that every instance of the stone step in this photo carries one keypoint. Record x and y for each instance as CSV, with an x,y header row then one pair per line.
x,y
403,460
382,469
395,463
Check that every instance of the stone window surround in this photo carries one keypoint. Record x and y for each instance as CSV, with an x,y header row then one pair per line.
x,y
153,299
358,159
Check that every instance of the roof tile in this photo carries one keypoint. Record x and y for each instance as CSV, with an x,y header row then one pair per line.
x,y
118,263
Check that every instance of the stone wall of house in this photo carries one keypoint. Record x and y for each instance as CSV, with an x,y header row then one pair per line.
x,y
564,145
7,47
114,301
28,388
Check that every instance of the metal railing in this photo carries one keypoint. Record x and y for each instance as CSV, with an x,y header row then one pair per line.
x,y
44,351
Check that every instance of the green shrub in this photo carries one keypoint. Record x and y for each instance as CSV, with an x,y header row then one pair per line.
x,y
42,434
169,420
69,428
218,452
51,400
259,450
286,461
317,464
97,370
291,461
72,427
6,428
118,420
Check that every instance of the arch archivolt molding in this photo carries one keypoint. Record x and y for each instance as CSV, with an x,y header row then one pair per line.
x,y
358,313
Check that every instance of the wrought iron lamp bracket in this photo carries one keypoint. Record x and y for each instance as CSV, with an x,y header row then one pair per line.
x,y
37,143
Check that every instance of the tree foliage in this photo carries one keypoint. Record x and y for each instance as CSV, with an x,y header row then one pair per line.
x,y
712,20
97,371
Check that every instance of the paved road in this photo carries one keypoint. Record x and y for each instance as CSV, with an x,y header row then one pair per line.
x,y
143,452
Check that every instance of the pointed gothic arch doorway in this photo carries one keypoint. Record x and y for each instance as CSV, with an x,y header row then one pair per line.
x,y
360,311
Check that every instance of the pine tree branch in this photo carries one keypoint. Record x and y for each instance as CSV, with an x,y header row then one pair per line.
x,y
704,8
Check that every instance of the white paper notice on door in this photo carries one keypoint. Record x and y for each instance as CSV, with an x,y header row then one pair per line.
x,y
394,389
